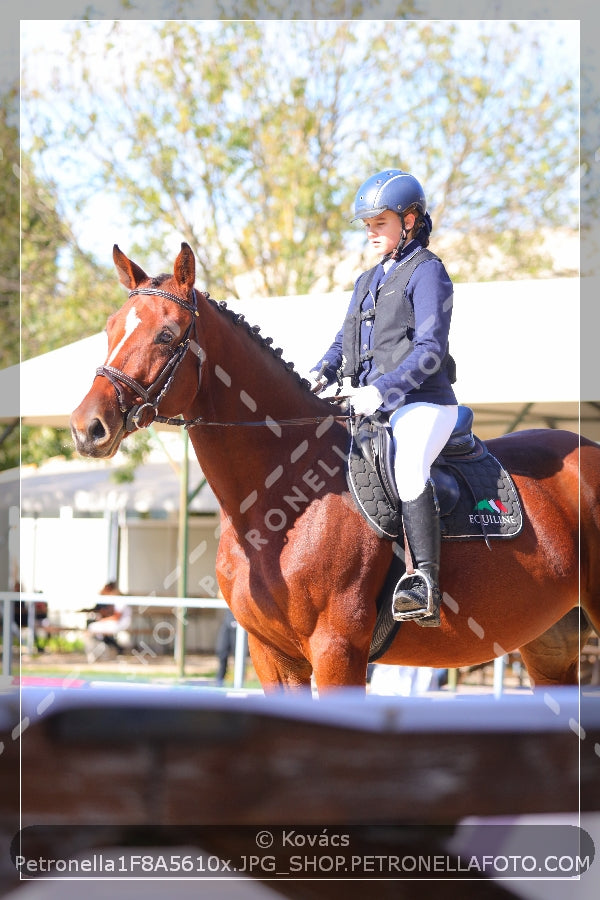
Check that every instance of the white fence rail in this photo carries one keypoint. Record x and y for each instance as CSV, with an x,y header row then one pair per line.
x,y
9,598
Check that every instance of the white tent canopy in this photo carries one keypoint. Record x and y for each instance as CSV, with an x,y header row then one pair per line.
x,y
506,338
87,486
46,389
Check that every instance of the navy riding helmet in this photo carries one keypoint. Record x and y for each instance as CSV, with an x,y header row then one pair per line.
x,y
391,189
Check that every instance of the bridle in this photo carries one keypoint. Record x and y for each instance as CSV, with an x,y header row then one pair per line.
x,y
148,399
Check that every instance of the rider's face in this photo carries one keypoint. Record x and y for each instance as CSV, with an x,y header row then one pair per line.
x,y
385,230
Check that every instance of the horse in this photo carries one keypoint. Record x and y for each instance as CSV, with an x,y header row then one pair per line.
x,y
297,563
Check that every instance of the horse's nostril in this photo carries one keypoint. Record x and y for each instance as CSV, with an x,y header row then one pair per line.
x,y
97,430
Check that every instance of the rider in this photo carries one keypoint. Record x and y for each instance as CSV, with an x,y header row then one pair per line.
x,y
392,350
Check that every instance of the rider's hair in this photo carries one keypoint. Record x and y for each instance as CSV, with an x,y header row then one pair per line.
x,y
420,228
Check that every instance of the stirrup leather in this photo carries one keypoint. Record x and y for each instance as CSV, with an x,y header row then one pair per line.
x,y
420,611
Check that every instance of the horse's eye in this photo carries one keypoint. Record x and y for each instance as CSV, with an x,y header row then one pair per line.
x,y
164,337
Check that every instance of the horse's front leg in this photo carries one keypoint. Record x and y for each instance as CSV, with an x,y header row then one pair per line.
x,y
277,672
338,661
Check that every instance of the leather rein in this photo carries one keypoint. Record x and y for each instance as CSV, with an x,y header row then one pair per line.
x,y
147,400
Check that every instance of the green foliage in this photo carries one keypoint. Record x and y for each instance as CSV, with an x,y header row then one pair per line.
x,y
32,445
43,237
10,448
66,294
589,157
9,232
248,138
62,643
39,443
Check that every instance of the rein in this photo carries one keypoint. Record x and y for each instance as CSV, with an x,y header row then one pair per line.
x,y
148,399
262,423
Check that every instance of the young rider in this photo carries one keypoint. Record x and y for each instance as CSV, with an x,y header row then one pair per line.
x,y
393,349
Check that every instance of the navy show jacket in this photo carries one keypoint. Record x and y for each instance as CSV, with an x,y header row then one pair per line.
x,y
422,374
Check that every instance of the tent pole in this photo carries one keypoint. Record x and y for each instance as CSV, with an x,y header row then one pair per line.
x,y
112,519
182,554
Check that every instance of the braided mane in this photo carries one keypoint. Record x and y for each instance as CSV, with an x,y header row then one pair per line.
x,y
254,332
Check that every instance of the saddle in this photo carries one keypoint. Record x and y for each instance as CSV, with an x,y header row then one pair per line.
x,y
476,499
476,496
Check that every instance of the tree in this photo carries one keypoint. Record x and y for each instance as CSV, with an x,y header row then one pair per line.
x,y
53,311
590,178
58,304
66,294
248,139
9,232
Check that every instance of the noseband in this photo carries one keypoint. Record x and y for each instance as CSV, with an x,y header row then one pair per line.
x,y
149,399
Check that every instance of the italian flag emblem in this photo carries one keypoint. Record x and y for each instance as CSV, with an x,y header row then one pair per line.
x,y
496,506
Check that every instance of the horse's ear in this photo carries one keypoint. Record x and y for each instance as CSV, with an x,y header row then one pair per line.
x,y
185,268
130,273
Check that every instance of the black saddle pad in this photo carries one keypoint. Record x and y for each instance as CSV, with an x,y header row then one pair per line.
x,y
476,495
487,504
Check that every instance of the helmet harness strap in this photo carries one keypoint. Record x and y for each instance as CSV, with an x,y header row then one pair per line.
x,y
395,254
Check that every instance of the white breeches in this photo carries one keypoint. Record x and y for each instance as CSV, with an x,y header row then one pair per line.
x,y
420,432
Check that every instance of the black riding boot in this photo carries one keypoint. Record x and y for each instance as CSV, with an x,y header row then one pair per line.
x,y
417,596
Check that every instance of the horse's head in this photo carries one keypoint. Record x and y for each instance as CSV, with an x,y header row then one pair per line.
x,y
148,339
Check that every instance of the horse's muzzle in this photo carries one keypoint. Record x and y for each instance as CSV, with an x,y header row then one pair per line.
x,y
93,437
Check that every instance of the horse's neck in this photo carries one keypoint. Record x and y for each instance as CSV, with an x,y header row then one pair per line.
x,y
244,382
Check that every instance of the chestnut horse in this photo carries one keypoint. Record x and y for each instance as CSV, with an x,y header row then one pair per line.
x,y
298,565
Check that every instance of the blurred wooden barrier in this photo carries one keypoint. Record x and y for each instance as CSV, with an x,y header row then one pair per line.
x,y
158,759
172,755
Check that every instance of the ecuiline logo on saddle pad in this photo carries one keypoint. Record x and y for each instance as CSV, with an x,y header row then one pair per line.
x,y
492,512
488,504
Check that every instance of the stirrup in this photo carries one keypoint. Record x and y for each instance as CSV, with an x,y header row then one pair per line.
x,y
424,614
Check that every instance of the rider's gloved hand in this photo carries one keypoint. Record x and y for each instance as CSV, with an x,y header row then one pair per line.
x,y
365,400
317,381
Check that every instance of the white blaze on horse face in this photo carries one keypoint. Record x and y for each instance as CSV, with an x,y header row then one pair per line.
x,y
131,323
